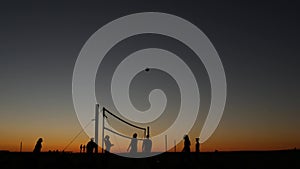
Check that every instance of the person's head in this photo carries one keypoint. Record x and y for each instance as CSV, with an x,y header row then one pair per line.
x,y
107,137
197,139
147,136
40,140
92,139
186,137
134,135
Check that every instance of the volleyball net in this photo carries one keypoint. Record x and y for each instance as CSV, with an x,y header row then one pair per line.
x,y
120,131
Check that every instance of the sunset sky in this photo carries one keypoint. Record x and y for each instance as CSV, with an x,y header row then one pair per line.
x,y
258,44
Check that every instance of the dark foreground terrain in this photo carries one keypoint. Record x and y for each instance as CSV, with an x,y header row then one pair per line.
x,y
288,159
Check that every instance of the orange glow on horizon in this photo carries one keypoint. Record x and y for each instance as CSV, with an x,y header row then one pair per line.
x,y
227,137
205,147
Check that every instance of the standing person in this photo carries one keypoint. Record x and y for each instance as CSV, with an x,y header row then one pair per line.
x,y
147,145
197,145
186,150
37,150
187,144
197,150
108,144
106,156
91,146
38,146
133,144
80,148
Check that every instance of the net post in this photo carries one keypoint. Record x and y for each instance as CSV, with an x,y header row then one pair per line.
x,y
175,146
166,143
148,131
96,125
103,116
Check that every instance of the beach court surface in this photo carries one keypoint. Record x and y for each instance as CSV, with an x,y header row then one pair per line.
x,y
285,159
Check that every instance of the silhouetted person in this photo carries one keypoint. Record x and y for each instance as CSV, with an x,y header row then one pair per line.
x,y
147,145
133,144
106,156
36,163
38,146
186,150
83,148
108,144
91,147
187,144
80,148
197,145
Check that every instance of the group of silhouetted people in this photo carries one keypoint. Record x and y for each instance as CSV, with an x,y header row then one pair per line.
x,y
146,146
132,148
187,144
82,148
186,149
92,147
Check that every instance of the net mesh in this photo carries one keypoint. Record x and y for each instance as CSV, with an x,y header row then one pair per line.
x,y
121,132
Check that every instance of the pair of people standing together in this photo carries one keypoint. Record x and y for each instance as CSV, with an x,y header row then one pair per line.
x,y
146,147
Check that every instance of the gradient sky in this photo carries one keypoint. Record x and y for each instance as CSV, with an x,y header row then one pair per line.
x,y
258,44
